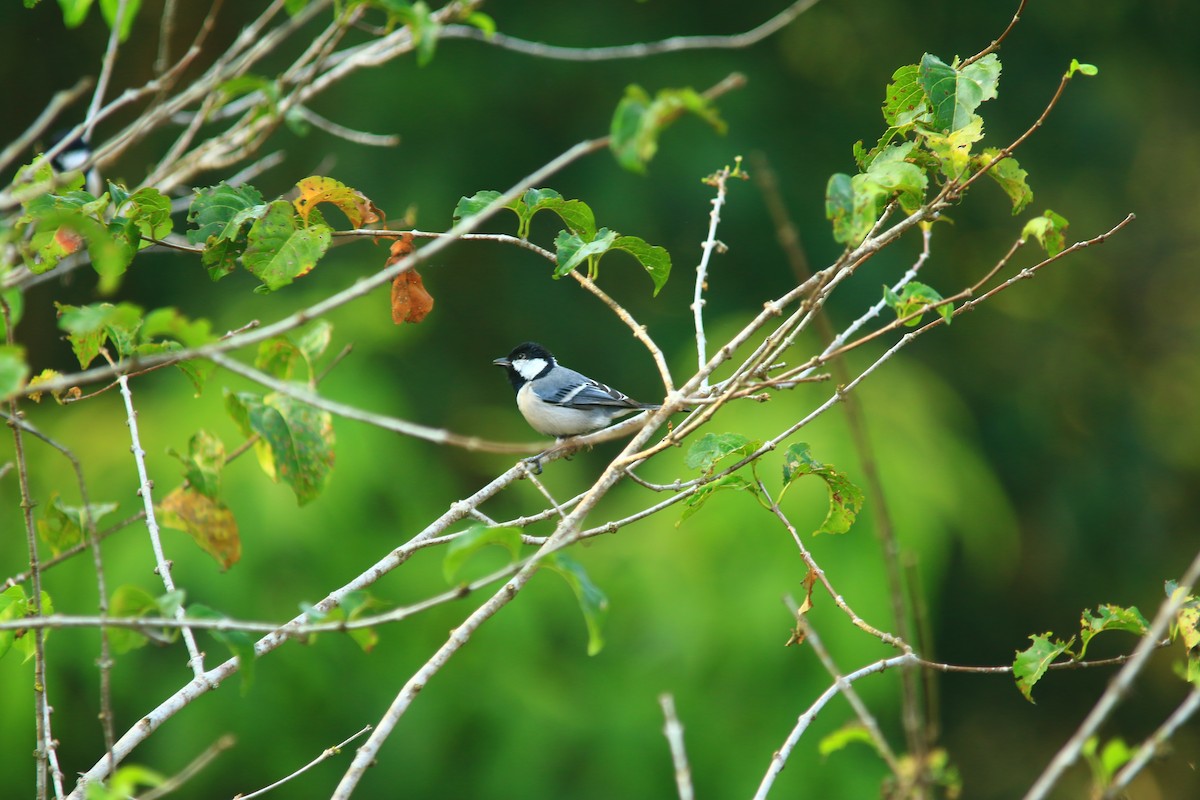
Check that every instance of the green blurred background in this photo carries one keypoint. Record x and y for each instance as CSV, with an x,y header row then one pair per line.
x,y
1039,457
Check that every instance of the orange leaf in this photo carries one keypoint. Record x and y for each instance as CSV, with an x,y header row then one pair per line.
x,y
400,248
410,301
357,207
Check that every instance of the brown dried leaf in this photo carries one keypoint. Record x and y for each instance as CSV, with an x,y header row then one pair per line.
x,y
410,301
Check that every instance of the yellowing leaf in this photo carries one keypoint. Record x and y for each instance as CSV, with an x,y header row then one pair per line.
x,y
207,521
357,207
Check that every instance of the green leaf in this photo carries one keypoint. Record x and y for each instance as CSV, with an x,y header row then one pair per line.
x,y
1031,663
13,369
845,498
62,526
917,297
895,174
481,21
108,9
220,211
1105,764
470,206
654,259
839,207
240,643
475,538
954,94
110,253
851,732
14,604
279,249
698,498
128,781
1012,179
354,605
712,448
1109,618
277,356
203,463
149,212
297,439
169,324
639,120
854,204
904,99
592,601
240,86
571,250
1050,231
575,214
1084,69
15,300
425,30
74,11
312,340
90,327
130,602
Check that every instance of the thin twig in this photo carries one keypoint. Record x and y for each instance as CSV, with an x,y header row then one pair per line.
x,y
57,103
327,753
145,491
816,570
1151,746
995,45
789,240
779,757
641,50
342,132
166,27
673,731
45,754
720,180
191,770
106,68
860,708
92,542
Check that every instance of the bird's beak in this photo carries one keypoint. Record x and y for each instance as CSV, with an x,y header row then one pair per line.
x,y
502,362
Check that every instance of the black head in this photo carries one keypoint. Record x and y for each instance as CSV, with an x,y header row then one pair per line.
x,y
527,361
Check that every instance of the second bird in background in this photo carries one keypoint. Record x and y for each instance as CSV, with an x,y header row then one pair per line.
x,y
558,401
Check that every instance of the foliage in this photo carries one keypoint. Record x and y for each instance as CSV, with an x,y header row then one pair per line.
x,y
59,221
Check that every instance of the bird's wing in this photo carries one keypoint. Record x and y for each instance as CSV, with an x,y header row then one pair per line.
x,y
575,389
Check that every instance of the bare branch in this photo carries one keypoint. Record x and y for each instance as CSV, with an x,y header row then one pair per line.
x,y
327,753
342,132
780,757
673,730
39,126
642,50
145,491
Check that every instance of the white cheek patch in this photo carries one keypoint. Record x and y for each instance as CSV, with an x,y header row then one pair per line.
x,y
529,368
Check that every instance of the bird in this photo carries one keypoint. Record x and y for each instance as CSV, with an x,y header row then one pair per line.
x,y
557,401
